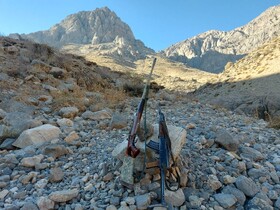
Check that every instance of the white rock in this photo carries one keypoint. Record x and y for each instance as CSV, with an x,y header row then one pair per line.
x,y
37,135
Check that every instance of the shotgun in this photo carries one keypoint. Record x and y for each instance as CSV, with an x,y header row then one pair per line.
x,y
132,150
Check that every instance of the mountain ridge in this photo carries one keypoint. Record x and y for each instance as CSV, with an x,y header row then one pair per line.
x,y
101,29
211,50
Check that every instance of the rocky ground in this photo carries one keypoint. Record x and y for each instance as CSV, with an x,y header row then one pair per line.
x,y
61,117
230,162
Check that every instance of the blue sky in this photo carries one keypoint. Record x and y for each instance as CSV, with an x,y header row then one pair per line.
x,y
158,23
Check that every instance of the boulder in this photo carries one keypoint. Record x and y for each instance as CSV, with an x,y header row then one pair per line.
x,y
118,121
40,134
69,112
55,150
225,200
247,186
227,141
14,124
176,198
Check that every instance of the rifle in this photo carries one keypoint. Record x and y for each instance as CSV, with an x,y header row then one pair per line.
x,y
132,150
163,148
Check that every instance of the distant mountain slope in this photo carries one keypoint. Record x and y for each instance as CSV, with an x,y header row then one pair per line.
x,y
100,29
250,85
210,51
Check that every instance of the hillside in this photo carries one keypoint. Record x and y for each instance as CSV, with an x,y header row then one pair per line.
x,y
62,116
250,85
172,75
100,29
212,50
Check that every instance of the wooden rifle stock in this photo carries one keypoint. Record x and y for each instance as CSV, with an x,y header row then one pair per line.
x,y
132,150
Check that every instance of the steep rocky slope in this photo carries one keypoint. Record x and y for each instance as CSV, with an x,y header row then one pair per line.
x,y
250,85
100,30
210,51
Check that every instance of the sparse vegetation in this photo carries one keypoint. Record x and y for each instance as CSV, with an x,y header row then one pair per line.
x,y
275,123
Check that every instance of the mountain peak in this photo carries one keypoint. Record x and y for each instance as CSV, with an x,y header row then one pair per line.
x,y
99,30
86,27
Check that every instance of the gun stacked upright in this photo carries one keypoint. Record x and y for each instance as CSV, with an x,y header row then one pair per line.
x,y
132,150
163,148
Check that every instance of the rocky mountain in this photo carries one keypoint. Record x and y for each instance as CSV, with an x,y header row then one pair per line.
x,y
100,30
250,85
210,51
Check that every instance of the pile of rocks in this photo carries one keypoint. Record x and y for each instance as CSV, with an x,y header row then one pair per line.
x,y
228,162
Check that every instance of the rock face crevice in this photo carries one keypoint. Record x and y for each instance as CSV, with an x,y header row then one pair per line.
x,y
210,51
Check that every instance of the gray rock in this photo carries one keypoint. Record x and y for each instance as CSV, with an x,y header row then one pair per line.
x,y
277,203
118,121
4,178
274,177
257,173
45,203
258,203
17,122
3,194
29,206
143,201
8,144
247,186
41,134
195,202
127,168
111,207
225,200
251,153
41,184
56,150
225,139
239,195
263,196
115,201
2,112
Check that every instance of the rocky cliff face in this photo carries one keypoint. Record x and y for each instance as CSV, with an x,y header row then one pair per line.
x,y
210,51
251,85
102,29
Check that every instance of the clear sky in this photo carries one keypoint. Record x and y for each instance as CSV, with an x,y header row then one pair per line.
x,y
158,23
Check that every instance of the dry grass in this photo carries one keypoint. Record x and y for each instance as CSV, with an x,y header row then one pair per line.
x,y
66,99
275,123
